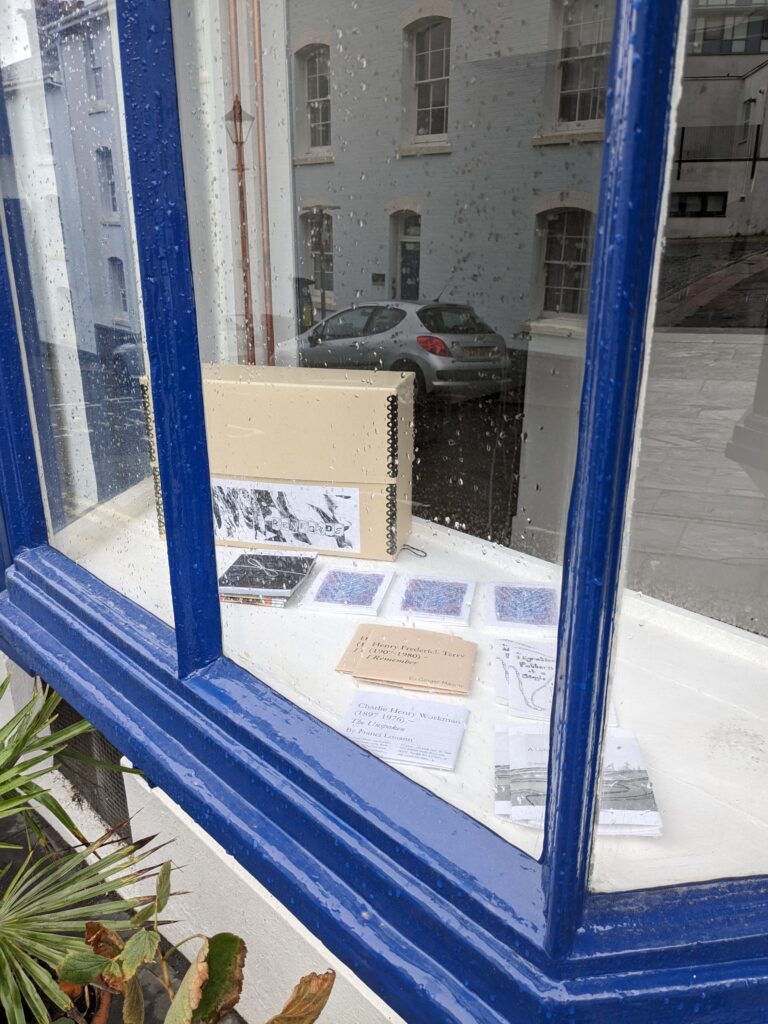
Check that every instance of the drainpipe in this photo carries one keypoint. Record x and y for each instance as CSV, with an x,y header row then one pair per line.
x,y
266,256
239,140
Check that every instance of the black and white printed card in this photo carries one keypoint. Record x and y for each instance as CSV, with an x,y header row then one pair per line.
x,y
266,573
289,515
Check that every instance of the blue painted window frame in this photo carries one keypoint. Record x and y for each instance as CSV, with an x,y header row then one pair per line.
x,y
441,917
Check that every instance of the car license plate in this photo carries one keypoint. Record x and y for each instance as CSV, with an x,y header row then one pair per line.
x,y
479,352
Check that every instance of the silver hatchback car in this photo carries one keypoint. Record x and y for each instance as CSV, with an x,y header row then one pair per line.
x,y
448,347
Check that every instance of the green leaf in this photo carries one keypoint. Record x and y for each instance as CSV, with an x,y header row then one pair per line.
x,y
133,1004
163,886
307,1000
139,949
190,990
226,957
143,915
82,966
10,994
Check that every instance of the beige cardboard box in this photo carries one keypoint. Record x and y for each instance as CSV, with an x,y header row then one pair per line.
x,y
310,459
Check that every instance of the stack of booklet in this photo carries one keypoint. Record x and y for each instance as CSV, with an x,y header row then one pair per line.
x,y
524,679
265,577
627,804
414,659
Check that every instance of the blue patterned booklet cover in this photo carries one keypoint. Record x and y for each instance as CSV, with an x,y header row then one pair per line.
x,y
351,590
433,597
521,607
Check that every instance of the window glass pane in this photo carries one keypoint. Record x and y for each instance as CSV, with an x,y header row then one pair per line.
x,y
67,227
690,662
446,421
385,318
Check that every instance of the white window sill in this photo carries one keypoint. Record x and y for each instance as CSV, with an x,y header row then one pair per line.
x,y
670,658
98,108
314,156
111,222
425,148
591,131
121,321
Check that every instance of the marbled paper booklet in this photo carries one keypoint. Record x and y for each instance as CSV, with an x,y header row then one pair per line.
x,y
415,659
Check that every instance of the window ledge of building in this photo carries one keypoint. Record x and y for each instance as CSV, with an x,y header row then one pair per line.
x,y
558,326
98,108
314,156
425,148
557,335
121,321
593,131
112,222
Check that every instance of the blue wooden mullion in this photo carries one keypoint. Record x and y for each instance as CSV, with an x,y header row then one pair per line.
x,y
634,165
20,489
22,502
162,235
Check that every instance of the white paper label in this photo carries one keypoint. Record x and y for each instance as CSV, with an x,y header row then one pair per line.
x,y
289,515
408,730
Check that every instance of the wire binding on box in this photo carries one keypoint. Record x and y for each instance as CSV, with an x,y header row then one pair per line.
x,y
391,519
392,435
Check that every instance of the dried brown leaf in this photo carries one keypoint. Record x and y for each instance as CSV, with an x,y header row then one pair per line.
x,y
307,1000
103,940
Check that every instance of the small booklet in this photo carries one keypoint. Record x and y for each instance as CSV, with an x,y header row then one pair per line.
x,y
524,674
356,591
415,659
407,730
627,804
526,609
264,577
433,597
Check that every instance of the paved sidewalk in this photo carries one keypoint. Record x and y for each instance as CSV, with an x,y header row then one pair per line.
x,y
700,525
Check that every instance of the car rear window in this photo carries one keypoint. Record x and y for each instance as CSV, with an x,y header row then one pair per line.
x,y
452,320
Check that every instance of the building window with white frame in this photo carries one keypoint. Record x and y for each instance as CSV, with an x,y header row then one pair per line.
x,y
93,69
725,34
318,234
318,86
431,73
584,54
567,260
107,184
117,288
406,269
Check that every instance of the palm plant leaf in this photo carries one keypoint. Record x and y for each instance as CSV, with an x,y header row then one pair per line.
x,y
43,912
27,750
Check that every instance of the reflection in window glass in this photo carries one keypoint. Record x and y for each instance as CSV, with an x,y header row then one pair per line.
x,y
432,50
107,183
583,66
63,180
690,667
427,290
567,260
319,97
